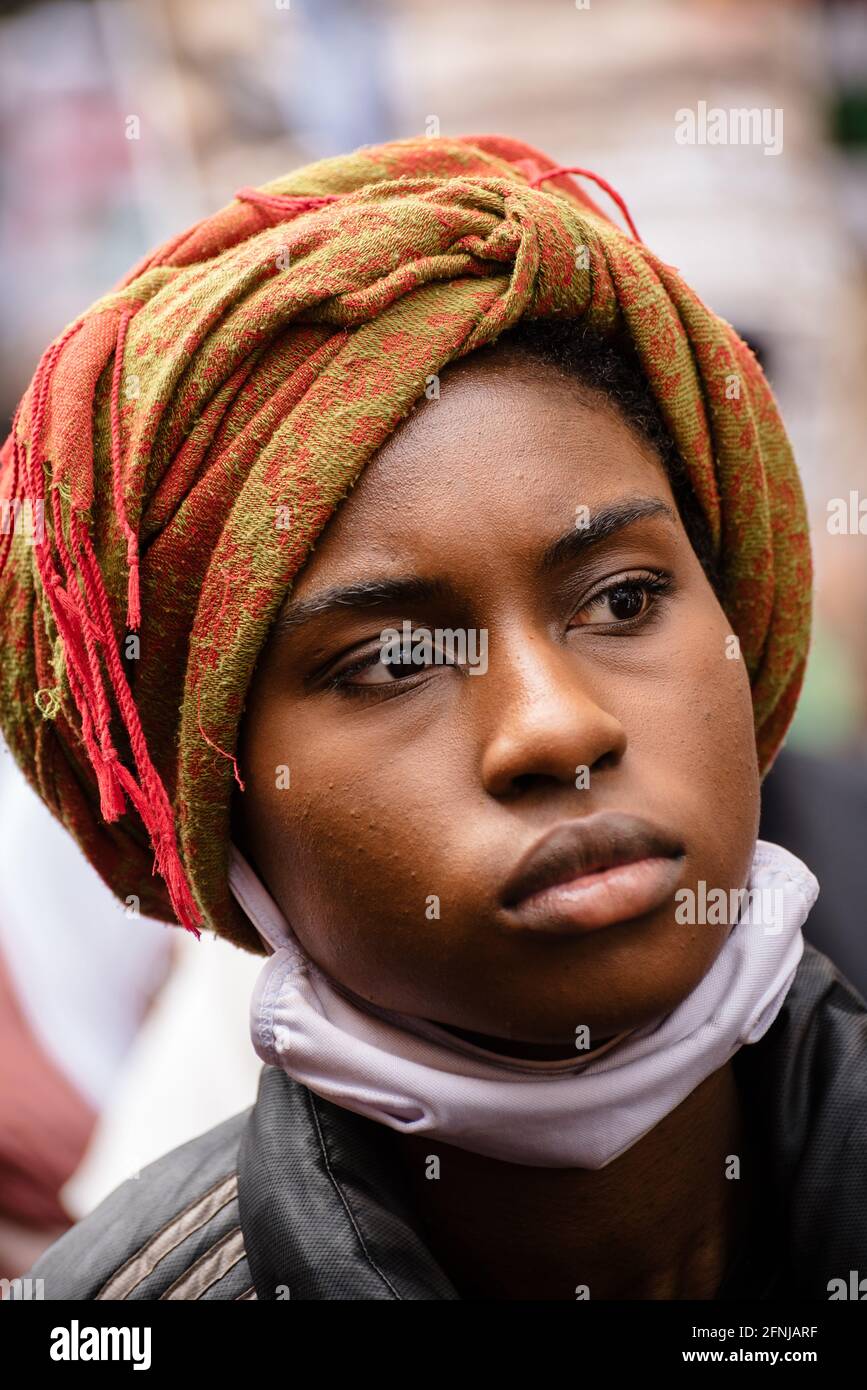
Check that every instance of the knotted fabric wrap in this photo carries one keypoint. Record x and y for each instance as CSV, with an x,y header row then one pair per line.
x,y
191,433
583,1112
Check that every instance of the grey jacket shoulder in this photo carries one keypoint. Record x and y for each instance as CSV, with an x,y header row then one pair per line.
x,y
173,1231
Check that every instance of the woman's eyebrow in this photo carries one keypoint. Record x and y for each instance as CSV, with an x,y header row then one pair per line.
x,y
364,593
602,524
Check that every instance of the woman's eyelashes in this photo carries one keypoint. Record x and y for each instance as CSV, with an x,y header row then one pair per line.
x,y
623,604
383,669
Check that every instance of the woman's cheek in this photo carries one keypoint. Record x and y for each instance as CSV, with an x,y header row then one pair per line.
x,y
723,769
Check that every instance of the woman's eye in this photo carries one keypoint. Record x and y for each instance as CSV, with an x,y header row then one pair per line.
x,y
378,669
625,601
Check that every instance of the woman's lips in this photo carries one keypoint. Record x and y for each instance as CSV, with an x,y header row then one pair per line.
x,y
591,872
598,899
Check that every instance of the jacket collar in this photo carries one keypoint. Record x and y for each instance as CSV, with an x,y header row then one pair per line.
x,y
322,1207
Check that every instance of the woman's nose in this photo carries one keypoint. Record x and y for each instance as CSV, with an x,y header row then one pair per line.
x,y
544,722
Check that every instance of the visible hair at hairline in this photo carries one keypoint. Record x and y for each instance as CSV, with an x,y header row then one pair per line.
x,y
611,368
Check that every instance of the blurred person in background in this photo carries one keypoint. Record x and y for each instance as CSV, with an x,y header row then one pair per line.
x,y
66,1027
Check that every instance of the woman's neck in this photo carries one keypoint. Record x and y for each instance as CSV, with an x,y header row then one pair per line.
x,y
662,1221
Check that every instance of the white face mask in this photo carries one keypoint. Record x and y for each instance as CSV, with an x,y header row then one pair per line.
x,y
418,1078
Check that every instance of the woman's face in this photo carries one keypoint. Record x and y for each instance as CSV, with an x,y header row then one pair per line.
x,y
597,684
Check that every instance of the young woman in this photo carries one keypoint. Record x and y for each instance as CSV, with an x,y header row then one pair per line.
x,y
424,590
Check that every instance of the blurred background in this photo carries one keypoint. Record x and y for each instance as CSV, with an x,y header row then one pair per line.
x,y
124,121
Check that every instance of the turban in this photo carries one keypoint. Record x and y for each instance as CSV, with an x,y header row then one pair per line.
x,y
184,441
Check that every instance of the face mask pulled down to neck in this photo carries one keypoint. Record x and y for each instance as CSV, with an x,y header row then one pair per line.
x,y
416,1077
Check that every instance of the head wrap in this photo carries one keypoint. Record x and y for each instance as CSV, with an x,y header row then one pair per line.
x,y
185,440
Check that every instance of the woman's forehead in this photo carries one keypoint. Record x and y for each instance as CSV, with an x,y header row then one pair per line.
x,y
503,460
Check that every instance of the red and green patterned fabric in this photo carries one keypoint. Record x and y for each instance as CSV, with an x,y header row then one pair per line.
x,y
254,364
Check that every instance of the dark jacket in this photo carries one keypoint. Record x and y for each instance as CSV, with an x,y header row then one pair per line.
x,y
297,1198
816,806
